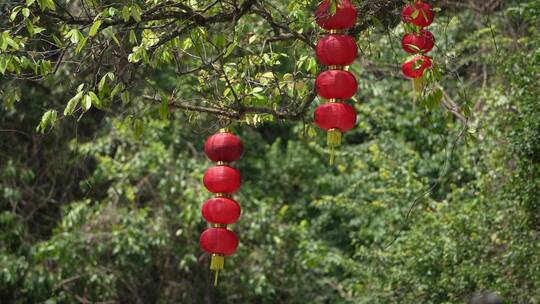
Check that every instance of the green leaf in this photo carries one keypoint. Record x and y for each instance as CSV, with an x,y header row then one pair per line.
x,y
45,67
48,119
126,14
96,102
74,36
230,49
95,28
164,107
138,128
125,98
26,12
81,45
136,12
3,64
14,13
86,102
72,104
5,40
132,37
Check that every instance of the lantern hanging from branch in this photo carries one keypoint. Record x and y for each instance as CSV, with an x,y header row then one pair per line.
x,y
419,14
418,41
220,211
337,51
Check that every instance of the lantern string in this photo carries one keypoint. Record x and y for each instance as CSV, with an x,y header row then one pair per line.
x,y
332,155
216,275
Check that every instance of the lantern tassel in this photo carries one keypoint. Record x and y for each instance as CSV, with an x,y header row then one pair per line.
x,y
333,140
418,84
217,262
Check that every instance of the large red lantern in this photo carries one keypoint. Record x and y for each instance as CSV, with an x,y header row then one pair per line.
x,y
415,67
419,14
335,115
344,17
336,50
219,241
223,146
336,118
223,180
336,84
221,210
418,43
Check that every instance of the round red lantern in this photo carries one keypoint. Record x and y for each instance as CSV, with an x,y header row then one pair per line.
x,y
336,118
421,42
221,210
336,84
223,146
222,179
419,14
218,241
336,50
344,18
335,115
415,67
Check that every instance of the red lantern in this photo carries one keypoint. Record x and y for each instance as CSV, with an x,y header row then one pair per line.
x,y
336,50
222,179
221,210
218,241
422,42
335,115
336,84
223,147
336,118
415,67
420,14
344,18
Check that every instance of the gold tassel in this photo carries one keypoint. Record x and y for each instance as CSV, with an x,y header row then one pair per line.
x,y
333,140
418,84
217,262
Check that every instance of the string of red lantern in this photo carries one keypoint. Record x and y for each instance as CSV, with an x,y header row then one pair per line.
x,y
220,211
337,51
417,40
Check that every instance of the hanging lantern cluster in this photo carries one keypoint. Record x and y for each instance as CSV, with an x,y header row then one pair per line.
x,y
220,211
418,41
337,51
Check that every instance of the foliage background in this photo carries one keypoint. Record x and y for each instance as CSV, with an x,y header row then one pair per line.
x,y
104,208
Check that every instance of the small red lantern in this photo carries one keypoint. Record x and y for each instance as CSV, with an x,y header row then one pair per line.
x,y
336,118
222,179
223,147
420,14
336,50
336,84
415,67
344,18
221,210
219,241
422,42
